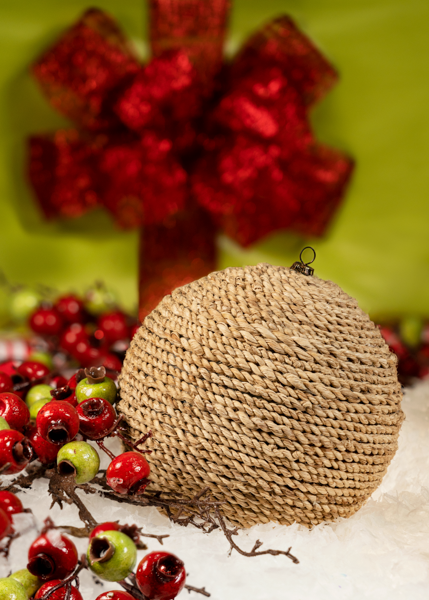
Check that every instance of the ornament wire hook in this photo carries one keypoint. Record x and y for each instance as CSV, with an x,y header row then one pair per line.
x,y
302,267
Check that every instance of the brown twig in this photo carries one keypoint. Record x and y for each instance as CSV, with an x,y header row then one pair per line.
x,y
25,480
254,552
202,590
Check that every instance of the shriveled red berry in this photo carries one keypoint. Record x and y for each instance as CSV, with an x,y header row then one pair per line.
x,y
57,422
46,321
128,473
59,594
46,452
15,450
71,308
14,411
114,326
66,394
108,526
160,576
52,556
115,595
5,524
6,383
10,503
33,370
96,417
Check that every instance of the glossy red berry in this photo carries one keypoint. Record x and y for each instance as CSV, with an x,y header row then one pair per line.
x,y
9,367
115,595
15,450
71,337
127,473
57,382
6,383
71,309
46,452
5,524
160,576
14,411
46,321
76,378
134,329
10,503
52,556
33,371
108,526
86,354
66,394
96,417
114,326
57,422
60,593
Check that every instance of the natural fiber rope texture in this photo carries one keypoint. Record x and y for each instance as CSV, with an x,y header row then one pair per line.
x,y
272,388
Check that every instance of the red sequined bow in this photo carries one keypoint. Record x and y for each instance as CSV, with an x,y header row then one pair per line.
x,y
187,143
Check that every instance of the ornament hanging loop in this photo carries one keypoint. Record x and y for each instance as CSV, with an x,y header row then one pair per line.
x,y
302,267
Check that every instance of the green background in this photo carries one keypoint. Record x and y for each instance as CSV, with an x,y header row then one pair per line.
x,y
378,246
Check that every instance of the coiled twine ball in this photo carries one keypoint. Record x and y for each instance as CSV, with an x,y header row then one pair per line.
x,y
271,387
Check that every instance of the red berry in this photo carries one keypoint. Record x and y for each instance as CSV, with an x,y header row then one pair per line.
x,y
96,417
57,422
59,594
15,449
45,452
57,382
6,383
134,329
394,342
111,362
160,576
65,394
77,377
52,556
5,524
71,337
86,354
114,326
70,308
108,526
14,410
33,370
115,595
9,367
128,473
10,503
46,321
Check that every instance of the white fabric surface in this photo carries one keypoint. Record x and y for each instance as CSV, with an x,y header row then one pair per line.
x,y
382,552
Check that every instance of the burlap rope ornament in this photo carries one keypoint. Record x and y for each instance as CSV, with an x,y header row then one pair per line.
x,y
269,386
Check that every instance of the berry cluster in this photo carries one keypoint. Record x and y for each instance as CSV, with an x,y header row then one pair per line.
x,y
55,424
53,563
90,330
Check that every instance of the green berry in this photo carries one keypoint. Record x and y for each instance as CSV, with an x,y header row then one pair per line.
x,y
80,458
36,406
38,392
10,589
23,302
29,582
99,299
42,357
3,424
410,329
104,389
112,555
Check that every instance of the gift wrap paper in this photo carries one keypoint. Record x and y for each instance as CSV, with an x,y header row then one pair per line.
x,y
377,247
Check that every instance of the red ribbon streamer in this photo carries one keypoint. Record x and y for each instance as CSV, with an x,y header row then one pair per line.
x,y
188,142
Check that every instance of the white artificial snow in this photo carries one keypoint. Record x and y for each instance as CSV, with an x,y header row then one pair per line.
x,y
382,552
